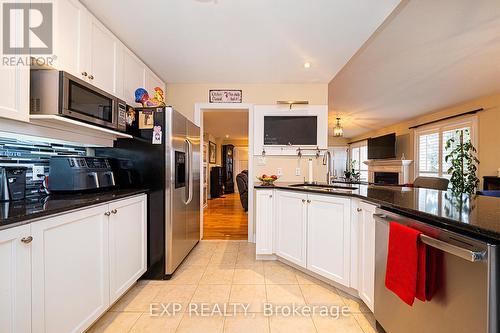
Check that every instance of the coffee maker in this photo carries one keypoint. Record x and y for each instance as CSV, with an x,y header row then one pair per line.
x,y
12,183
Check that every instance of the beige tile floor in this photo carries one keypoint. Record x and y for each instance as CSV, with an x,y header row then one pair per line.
x,y
226,272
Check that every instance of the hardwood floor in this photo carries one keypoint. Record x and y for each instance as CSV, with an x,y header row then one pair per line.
x,y
224,218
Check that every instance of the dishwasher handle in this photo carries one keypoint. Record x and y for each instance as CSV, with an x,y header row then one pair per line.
x,y
469,255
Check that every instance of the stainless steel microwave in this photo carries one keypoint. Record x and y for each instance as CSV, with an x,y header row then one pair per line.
x,y
60,93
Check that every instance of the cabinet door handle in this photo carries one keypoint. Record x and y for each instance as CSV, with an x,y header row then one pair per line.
x,y
91,76
107,213
270,195
303,200
308,201
26,240
114,211
84,73
359,209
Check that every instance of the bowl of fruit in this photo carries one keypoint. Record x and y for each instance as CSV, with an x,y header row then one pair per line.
x,y
267,180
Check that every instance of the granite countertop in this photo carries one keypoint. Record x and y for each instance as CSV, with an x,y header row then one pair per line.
x,y
14,213
477,217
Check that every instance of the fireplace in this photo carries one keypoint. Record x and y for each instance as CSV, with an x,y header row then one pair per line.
x,y
389,178
390,171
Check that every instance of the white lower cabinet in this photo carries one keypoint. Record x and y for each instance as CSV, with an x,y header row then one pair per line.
x,y
70,270
127,244
332,236
291,215
15,280
366,257
328,237
61,273
264,216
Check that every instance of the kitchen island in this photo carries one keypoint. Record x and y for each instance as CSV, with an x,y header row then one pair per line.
x,y
331,233
477,217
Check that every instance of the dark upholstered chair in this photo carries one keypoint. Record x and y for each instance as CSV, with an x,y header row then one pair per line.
x,y
435,183
242,183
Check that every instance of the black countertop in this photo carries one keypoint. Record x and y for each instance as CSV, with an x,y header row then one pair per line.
x,y
477,216
20,212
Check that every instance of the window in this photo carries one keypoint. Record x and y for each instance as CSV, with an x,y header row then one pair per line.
x,y
359,154
431,146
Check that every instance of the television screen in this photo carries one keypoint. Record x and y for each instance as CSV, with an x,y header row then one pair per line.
x,y
290,130
382,147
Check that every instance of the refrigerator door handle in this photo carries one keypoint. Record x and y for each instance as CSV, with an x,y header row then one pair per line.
x,y
189,173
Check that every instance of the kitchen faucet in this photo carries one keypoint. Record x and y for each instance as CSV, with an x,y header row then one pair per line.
x,y
327,159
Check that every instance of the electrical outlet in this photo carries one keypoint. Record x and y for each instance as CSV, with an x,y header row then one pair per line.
x,y
280,171
297,171
38,170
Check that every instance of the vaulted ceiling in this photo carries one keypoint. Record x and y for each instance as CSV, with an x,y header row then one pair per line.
x,y
428,55
243,41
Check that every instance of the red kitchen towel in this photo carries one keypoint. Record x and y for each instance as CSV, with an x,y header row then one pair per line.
x,y
433,272
403,262
421,271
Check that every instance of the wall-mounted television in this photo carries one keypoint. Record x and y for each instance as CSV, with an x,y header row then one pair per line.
x,y
382,147
290,130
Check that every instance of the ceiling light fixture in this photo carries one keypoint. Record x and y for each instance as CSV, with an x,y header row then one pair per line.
x,y
338,131
227,136
307,65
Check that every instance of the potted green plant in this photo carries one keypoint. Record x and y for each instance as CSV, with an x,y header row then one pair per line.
x,y
352,172
463,163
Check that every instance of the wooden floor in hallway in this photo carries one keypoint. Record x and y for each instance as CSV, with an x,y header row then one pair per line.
x,y
224,218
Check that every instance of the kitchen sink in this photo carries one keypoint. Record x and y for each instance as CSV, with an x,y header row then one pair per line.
x,y
324,187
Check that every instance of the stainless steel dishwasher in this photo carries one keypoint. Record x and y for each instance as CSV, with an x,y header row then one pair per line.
x,y
467,299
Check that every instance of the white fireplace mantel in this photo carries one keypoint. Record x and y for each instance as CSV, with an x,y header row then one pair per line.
x,y
402,167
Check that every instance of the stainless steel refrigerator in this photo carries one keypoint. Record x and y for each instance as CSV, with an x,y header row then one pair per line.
x,y
163,156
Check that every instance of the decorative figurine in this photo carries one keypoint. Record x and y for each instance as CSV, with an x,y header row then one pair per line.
x,y
130,116
142,97
158,98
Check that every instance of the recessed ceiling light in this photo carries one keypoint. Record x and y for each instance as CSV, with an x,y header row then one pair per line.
x,y
307,65
227,136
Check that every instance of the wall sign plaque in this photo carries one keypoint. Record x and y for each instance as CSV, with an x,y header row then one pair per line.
x,y
225,96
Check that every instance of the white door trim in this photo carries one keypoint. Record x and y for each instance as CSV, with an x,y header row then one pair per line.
x,y
199,108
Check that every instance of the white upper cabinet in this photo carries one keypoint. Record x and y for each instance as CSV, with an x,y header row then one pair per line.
x,y
15,280
85,48
264,216
328,237
14,82
70,270
70,38
102,57
14,92
133,71
291,215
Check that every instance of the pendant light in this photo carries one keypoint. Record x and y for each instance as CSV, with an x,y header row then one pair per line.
x,y
338,131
